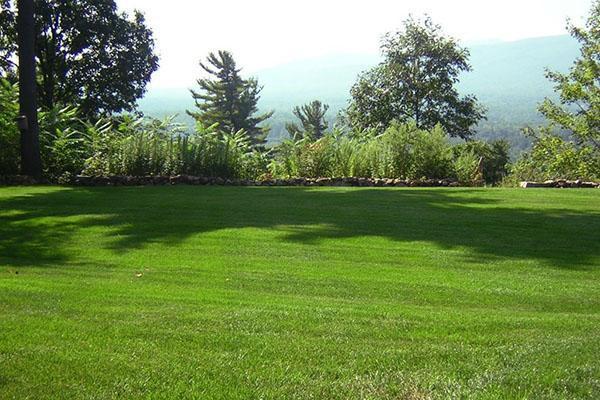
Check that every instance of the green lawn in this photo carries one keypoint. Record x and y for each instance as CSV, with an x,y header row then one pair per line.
x,y
299,293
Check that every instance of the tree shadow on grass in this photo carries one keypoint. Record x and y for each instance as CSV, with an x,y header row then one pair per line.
x,y
34,228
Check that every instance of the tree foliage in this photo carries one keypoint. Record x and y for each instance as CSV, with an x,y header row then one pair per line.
x,y
230,101
401,151
8,34
579,107
88,54
9,134
416,81
312,121
553,157
495,155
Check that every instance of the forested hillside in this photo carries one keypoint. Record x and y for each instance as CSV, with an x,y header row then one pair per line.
x,y
507,77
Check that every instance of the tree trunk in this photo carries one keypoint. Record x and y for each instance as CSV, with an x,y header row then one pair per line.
x,y
31,163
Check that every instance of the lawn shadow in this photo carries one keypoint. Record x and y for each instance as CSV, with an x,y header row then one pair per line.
x,y
33,228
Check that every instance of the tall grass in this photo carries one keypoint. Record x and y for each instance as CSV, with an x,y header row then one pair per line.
x,y
136,146
139,146
161,147
9,134
402,151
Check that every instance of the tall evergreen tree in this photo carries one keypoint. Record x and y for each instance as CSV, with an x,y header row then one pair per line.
x,y
312,121
230,101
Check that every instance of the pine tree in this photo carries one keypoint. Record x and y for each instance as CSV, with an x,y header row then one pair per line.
x,y
312,120
230,101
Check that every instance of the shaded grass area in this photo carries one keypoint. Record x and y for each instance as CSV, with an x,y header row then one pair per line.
x,y
235,293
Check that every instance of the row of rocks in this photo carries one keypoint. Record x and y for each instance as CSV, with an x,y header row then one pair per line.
x,y
195,180
561,184
19,180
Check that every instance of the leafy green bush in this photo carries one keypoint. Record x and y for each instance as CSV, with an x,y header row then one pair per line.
x,y
432,154
63,141
495,155
304,158
210,153
104,142
316,158
344,155
465,167
64,144
9,133
129,145
553,157
396,156
402,151
145,146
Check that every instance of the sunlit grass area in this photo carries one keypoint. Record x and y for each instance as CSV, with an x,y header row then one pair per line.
x,y
298,293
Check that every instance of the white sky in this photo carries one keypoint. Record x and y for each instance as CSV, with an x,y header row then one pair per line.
x,y
266,33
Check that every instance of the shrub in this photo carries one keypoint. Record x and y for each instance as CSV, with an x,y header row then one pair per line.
x,y
465,168
402,151
495,155
345,154
147,146
9,133
104,143
207,152
316,158
432,154
285,162
64,145
553,157
304,158
131,145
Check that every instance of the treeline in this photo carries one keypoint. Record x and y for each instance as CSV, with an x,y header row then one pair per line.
x,y
139,146
406,118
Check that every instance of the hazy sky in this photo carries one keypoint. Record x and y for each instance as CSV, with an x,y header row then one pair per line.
x,y
266,33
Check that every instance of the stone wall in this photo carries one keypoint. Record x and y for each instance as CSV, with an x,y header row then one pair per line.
x,y
19,180
561,184
195,180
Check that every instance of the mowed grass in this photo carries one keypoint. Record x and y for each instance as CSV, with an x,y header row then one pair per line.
x,y
299,293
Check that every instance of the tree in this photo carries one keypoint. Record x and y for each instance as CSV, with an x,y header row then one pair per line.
x,y
8,44
312,121
230,101
416,81
31,163
88,54
579,108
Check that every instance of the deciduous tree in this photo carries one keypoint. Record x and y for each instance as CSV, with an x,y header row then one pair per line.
x,y
416,81
88,54
578,110
31,163
8,44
